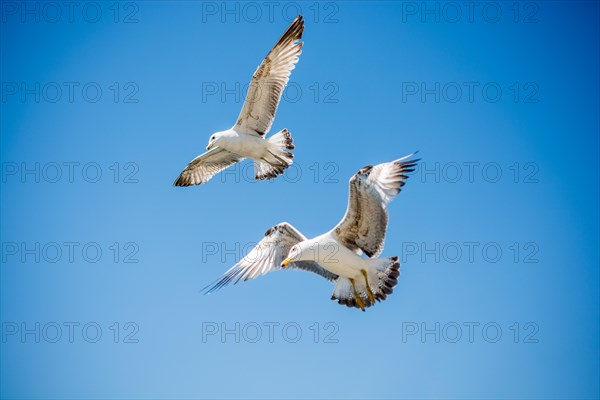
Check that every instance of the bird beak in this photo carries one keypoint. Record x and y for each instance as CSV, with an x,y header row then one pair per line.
x,y
210,146
286,262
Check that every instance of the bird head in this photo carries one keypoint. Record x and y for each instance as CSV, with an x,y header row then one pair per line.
x,y
214,140
295,254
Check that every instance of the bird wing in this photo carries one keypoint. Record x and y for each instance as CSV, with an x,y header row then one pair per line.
x,y
203,167
267,256
268,82
364,224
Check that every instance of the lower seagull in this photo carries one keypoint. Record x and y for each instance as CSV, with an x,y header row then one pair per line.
x,y
336,255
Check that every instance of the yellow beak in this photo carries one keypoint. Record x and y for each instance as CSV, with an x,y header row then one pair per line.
x,y
286,262
210,146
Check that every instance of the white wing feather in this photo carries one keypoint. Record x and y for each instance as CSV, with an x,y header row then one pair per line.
x,y
365,222
267,256
269,81
205,166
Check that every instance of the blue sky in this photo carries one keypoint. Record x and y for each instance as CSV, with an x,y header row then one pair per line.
x,y
103,260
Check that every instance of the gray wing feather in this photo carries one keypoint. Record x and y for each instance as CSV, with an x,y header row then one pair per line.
x,y
269,81
364,225
267,256
205,166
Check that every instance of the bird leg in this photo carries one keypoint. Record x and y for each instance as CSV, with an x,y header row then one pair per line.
x,y
358,299
369,292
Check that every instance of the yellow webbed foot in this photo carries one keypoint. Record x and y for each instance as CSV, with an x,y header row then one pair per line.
x,y
358,299
369,292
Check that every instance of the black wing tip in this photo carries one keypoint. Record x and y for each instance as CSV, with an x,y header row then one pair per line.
x,y
270,230
298,21
294,31
182,181
218,284
408,157
182,184
278,227
406,162
205,291
208,289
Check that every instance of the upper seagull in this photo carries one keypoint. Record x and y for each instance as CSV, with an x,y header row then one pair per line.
x,y
336,255
247,137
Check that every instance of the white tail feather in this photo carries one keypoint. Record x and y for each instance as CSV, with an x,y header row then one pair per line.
x,y
382,279
278,159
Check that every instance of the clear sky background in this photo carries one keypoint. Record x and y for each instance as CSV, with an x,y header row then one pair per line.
x,y
497,230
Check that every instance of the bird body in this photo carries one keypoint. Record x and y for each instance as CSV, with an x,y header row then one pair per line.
x,y
337,254
255,147
247,146
332,255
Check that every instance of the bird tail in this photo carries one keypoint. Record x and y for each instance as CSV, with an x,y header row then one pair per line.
x,y
278,159
382,275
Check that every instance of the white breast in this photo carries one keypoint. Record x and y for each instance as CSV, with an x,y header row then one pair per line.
x,y
245,145
337,258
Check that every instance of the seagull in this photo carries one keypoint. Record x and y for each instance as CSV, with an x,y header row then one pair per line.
x,y
337,254
247,137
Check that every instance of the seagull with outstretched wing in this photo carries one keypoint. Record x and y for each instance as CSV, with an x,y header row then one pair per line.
x,y
247,138
336,255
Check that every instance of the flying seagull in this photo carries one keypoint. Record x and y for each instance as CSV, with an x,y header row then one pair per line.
x,y
336,255
247,137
